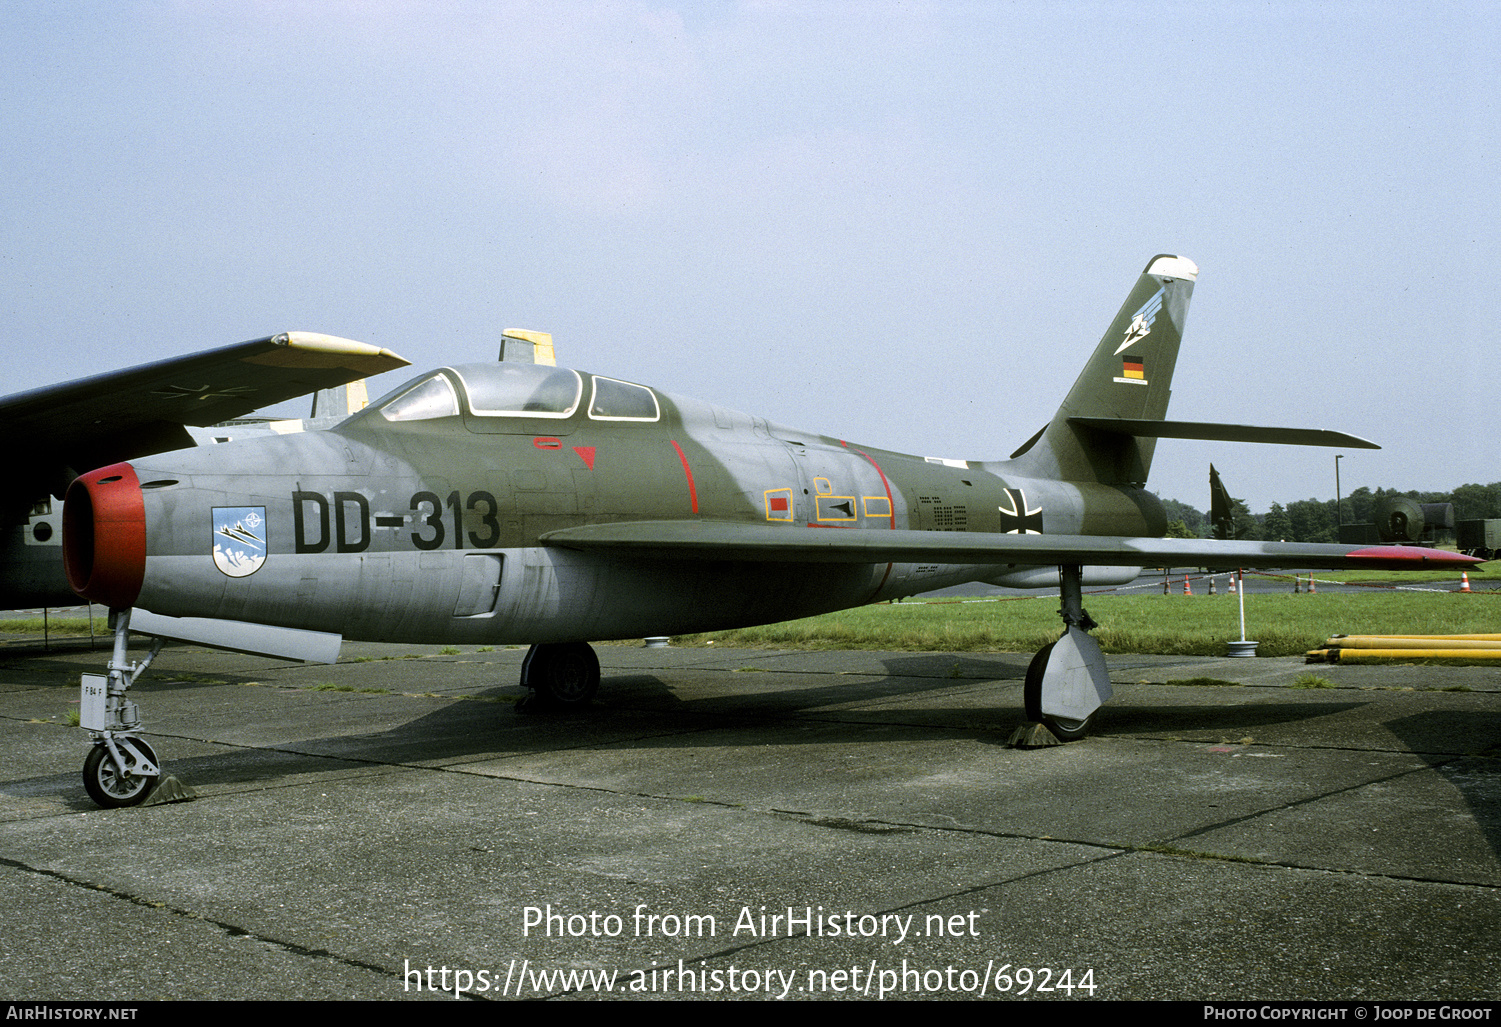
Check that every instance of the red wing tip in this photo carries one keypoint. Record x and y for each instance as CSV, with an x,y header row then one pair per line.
x,y
1438,558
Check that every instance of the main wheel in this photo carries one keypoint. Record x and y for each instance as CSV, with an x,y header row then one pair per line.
x,y
565,675
111,789
1064,729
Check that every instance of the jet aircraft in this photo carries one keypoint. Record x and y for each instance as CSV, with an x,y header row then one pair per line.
x,y
530,503
151,408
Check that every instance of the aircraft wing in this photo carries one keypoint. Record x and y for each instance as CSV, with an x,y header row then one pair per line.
x,y
725,540
79,425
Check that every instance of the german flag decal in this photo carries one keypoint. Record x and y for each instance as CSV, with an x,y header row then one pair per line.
x,y
1133,370
779,504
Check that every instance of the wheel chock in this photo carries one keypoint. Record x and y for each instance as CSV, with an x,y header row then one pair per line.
x,y
169,789
1032,735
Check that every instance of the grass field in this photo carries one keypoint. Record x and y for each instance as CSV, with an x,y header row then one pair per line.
x,y
55,626
1200,625
1285,625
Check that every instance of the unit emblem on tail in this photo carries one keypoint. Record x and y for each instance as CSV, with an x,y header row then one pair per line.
x,y
1141,322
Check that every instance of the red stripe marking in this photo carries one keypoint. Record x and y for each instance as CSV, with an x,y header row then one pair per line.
x,y
884,482
892,503
688,471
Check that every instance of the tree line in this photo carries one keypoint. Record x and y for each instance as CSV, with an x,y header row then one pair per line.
x,y
1317,520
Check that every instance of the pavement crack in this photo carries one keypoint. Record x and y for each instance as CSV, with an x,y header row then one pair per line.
x,y
230,930
861,826
1309,747
1308,800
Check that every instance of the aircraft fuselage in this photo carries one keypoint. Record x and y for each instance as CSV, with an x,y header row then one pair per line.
x,y
429,528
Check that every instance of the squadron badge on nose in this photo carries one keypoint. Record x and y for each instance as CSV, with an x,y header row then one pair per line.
x,y
239,539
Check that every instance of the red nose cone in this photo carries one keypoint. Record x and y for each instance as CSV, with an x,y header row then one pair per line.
x,y
104,536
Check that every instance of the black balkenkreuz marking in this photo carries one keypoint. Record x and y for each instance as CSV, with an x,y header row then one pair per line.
x,y
1019,520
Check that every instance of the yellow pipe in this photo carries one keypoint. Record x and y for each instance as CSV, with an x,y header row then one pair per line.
x,y
1494,637
1395,642
1363,655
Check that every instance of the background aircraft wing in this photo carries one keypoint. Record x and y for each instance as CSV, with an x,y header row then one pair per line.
x,y
724,540
64,429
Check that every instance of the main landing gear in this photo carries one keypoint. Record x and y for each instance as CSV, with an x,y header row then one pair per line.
x,y
561,675
122,768
1067,681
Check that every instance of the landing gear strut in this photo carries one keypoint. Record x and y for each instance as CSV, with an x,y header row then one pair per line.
x,y
122,768
561,675
1067,680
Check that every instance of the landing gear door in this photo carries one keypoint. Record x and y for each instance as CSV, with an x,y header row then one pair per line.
x,y
1076,682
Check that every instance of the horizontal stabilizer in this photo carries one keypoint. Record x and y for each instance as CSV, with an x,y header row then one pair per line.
x,y
726,540
1208,431
241,636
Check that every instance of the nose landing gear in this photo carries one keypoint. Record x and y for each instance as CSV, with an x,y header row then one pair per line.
x,y
122,767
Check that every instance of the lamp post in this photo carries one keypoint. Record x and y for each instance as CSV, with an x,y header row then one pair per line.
x,y
1339,513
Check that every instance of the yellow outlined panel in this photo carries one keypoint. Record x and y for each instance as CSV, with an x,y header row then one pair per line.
x,y
778,504
877,506
836,508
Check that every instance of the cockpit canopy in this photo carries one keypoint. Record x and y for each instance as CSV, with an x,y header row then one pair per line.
x,y
517,390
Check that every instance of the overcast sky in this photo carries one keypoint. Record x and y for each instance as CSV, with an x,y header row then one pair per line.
x,y
903,224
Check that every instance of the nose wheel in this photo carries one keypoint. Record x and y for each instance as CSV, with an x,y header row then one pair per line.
x,y
114,788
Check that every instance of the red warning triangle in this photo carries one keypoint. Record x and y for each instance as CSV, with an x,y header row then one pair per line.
x,y
587,454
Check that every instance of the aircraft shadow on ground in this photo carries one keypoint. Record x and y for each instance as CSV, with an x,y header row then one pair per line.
x,y
642,710
1435,735
635,710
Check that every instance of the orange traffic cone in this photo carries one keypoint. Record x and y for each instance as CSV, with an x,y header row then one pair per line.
x,y
1464,581
1187,588
1311,589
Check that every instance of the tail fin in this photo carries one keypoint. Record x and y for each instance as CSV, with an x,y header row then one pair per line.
x,y
1221,506
1128,377
340,401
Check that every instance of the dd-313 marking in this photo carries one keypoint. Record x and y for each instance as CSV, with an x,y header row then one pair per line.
x,y
312,534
